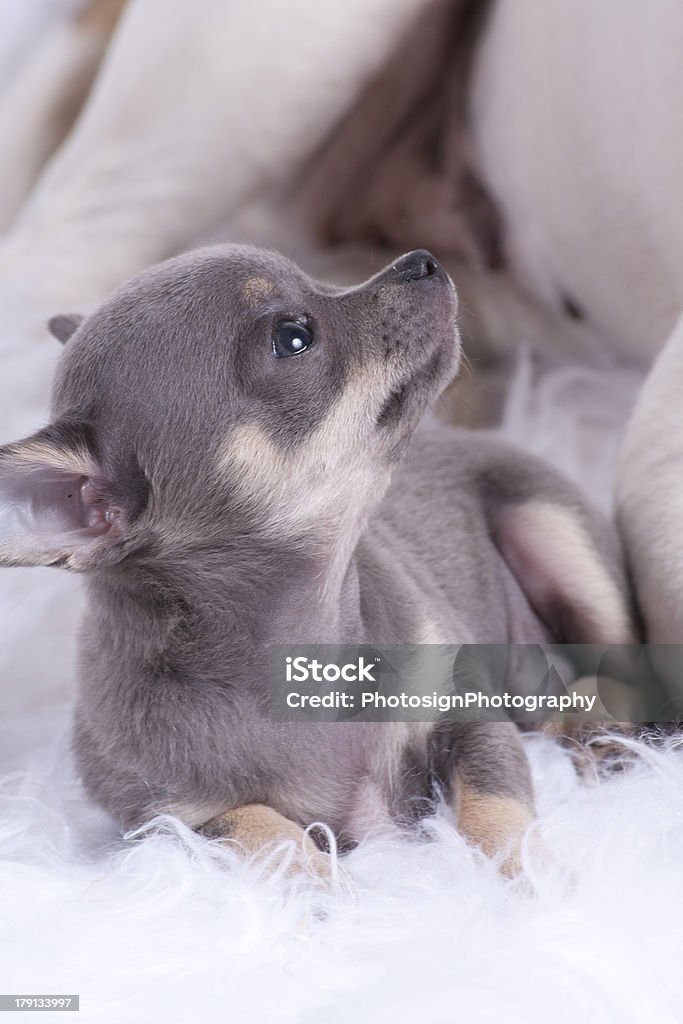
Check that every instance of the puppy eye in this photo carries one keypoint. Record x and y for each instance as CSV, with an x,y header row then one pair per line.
x,y
290,338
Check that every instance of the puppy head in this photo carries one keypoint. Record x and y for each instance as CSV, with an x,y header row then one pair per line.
x,y
225,394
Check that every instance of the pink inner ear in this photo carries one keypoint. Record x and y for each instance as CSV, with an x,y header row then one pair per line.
x,y
49,514
98,515
58,504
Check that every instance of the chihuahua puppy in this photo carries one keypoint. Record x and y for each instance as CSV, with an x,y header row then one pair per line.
x,y
231,464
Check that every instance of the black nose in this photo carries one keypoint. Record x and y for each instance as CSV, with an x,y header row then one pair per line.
x,y
417,265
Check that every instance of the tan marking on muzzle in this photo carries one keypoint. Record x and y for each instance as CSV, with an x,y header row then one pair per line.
x,y
326,476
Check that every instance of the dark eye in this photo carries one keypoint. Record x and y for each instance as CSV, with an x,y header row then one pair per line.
x,y
290,338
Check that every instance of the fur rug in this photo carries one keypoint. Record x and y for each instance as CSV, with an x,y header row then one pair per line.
x,y
173,928
168,926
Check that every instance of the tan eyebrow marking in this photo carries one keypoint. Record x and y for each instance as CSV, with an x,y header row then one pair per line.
x,y
256,289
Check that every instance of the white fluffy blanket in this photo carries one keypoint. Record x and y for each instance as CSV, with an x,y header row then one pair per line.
x,y
170,927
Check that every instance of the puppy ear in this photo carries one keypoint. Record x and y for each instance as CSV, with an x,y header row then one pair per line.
x,y
567,564
63,326
54,504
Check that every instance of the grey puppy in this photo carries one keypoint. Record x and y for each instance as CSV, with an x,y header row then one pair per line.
x,y
230,462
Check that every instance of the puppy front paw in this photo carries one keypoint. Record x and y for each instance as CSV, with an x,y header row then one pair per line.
x,y
261,832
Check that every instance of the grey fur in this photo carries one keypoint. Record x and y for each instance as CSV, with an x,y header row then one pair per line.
x,y
200,551
64,325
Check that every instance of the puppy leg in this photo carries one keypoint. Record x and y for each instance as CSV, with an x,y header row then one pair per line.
x,y
256,827
495,824
564,555
491,789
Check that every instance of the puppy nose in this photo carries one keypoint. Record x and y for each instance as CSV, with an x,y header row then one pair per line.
x,y
417,265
